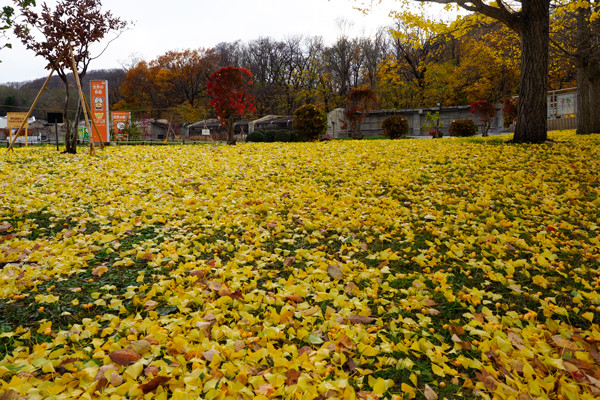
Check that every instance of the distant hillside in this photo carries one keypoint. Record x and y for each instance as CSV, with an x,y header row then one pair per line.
x,y
114,77
18,96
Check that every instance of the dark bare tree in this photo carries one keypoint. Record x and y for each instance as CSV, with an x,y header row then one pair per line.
x,y
52,34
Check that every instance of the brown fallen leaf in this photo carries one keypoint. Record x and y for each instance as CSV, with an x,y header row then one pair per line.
x,y
204,326
289,261
360,319
153,384
292,376
266,389
350,366
11,395
210,317
295,298
516,340
239,345
151,340
311,311
478,317
456,339
124,357
5,228
517,365
214,285
364,395
351,289
224,291
490,383
594,353
334,272
115,378
345,341
456,329
200,273
151,370
148,256
210,354
150,305
140,346
429,393
564,343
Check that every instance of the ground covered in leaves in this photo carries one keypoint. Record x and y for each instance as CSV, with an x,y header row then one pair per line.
x,y
376,269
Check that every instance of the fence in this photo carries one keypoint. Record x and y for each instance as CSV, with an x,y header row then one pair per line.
x,y
562,123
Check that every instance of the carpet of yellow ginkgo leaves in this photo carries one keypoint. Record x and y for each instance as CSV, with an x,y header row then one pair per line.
x,y
429,269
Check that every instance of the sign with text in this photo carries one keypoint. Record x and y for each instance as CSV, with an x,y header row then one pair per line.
x,y
99,106
120,121
15,119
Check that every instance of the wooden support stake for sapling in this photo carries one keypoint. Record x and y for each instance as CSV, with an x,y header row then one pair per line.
x,y
12,142
82,100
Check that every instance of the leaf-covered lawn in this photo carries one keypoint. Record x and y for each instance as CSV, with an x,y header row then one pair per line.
x,y
374,269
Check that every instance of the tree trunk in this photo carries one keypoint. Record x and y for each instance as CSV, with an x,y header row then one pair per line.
x,y
533,87
584,112
230,133
594,95
69,147
594,76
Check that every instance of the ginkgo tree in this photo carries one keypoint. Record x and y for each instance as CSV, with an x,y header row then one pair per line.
x,y
575,32
531,20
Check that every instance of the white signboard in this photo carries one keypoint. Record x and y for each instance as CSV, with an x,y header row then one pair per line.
x,y
565,104
560,105
205,132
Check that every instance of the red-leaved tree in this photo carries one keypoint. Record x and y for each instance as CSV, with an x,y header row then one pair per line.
x,y
486,112
511,109
229,89
359,104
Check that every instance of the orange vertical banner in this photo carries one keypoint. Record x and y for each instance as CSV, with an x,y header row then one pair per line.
x,y
99,105
120,121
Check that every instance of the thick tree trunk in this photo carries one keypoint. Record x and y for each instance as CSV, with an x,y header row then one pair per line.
x,y
584,112
594,94
230,132
534,31
595,72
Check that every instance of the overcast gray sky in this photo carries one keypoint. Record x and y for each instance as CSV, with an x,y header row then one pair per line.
x,y
161,26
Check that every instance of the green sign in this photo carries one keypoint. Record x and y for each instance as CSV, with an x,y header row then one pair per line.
x,y
83,134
